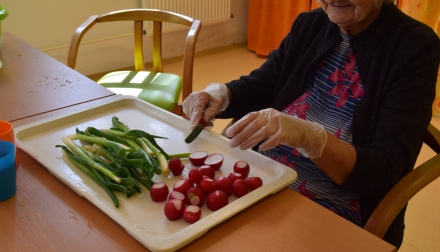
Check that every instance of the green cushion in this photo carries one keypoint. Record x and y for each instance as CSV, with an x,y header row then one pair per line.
x,y
160,89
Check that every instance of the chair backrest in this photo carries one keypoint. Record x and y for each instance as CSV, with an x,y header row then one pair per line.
x,y
138,16
406,188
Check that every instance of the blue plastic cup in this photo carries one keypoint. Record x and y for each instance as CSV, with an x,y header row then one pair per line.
x,y
8,177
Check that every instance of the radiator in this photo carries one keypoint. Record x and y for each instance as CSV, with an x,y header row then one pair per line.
x,y
208,11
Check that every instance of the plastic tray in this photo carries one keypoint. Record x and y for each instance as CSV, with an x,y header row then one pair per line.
x,y
139,215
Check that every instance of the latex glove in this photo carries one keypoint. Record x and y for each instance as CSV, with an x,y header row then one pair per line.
x,y
206,104
276,128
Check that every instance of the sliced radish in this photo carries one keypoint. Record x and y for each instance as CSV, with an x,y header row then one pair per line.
x,y
207,170
216,200
176,166
240,188
195,196
174,208
176,195
192,214
242,167
224,184
159,192
254,182
197,158
214,160
182,185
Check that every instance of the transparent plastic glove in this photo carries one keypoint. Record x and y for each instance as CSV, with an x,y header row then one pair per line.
x,y
206,103
276,128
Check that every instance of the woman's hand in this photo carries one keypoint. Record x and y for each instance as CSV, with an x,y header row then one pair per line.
x,y
278,128
206,103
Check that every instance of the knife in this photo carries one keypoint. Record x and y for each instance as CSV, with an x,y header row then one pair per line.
x,y
196,131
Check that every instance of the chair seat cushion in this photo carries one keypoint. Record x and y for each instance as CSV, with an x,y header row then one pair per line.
x,y
160,89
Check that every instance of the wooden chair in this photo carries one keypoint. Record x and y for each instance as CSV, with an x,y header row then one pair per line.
x,y
406,188
156,87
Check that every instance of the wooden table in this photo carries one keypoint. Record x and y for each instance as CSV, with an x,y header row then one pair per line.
x,y
46,215
29,77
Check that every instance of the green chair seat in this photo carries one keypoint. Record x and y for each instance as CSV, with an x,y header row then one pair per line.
x,y
160,89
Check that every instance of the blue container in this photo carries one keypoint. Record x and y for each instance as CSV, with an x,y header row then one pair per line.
x,y
8,178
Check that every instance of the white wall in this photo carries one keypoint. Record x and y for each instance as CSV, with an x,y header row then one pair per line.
x,y
48,26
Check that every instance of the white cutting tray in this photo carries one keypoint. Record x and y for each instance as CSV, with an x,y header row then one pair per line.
x,y
139,215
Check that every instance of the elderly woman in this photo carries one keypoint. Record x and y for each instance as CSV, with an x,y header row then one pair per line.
x,y
344,100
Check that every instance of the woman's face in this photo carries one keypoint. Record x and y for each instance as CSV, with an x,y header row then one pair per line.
x,y
352,16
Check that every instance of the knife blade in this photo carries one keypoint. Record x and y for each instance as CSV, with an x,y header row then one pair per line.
x,y
196,131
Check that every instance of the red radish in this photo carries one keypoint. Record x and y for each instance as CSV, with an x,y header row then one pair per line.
x,y
174,208
224,184
192,214
216,200
195,196
215,160
207,170
208,185
240,188
159,192
176,166
254,182
197,158
182,185
242,167
234,176
176,195
195,176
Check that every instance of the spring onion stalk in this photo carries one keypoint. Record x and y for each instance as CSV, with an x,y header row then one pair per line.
x,y
180,155
120,149
76,149
90,173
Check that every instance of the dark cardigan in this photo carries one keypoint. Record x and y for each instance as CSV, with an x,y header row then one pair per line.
x,y
398,60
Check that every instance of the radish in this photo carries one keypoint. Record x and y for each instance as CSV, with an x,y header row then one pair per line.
x,y
176,166
214,160
242,167
254,182
159,192
240,188
182,185
197,158
207,170
192,214
195,176
234,176
216,200
195,196
174,208
208,185
176,195
224,184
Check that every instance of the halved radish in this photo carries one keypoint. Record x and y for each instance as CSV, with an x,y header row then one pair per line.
x,y
192,214
159,192
234,176
197,158
215,160
208,185
242,167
